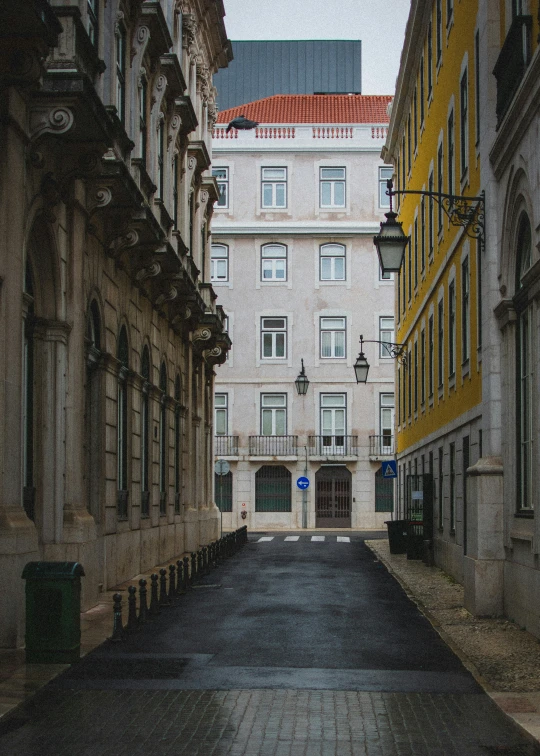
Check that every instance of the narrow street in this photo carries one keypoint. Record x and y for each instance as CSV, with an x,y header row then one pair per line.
x,y
294,646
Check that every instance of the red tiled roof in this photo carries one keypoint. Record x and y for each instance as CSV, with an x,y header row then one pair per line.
x,y
313,109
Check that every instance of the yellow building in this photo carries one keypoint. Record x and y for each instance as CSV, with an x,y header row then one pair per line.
x,y
463,122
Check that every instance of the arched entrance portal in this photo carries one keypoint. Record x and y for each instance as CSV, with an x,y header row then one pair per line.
x,y
333,497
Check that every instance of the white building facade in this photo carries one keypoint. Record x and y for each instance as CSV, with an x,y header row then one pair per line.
x,y
296,272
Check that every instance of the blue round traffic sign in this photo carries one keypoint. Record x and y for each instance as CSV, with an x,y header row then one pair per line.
x,y
302,483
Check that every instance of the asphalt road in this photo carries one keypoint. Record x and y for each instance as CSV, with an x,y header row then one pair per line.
x,y
290,647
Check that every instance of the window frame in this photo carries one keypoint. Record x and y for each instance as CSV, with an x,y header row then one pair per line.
x,y
333,337
221,409
333,182
273,410
440,342
464,122
273,183
389,171
384,328
222,182
333,258
274,259
214,278
465,310
274,331
452,329
120,71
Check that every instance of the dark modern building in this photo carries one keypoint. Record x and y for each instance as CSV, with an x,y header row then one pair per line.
x,y
262,69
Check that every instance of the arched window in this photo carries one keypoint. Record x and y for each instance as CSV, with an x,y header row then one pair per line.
x,y
93,424
274,262
29,491
177,445
163,441
145,434
332,262
122,426
525,368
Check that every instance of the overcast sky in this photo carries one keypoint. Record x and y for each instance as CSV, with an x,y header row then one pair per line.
x,y
380,26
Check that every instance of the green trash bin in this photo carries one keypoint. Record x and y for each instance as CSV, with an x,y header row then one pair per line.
x,y
53,612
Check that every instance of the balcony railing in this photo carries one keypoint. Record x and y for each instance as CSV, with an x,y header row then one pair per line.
x,y
381,446
273,446
226,446
512,62
333,446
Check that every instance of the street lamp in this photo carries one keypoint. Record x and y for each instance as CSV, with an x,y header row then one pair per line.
x,y
361,366
302,382
391,242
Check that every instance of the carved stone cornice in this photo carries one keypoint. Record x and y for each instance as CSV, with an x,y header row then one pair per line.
x,y
184,108
199,151
189,33
505,313
170,67
151,15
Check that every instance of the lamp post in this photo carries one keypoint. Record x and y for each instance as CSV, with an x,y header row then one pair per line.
x,y
391,241
302,382
361,366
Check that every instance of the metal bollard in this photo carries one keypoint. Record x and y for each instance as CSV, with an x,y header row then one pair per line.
x,y
172,582
154,600
118,629
179,577
205,560
200,569
132,623
193,573
186,572
143,607
163,598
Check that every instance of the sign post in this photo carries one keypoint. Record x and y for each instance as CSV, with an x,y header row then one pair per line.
x,y
221,468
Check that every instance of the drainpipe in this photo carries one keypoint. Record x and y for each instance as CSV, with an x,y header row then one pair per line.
x,y
304,492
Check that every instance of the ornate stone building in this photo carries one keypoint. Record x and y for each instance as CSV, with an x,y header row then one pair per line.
x,y
109,328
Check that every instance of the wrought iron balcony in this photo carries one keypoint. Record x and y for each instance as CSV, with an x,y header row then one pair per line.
x,y
512,62
273,446
226,446
333,446
381,446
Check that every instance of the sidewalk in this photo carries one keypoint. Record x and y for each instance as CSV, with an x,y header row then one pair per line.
x,y
503,658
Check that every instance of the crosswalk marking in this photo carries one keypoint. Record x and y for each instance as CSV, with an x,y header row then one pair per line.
x,y
317,538
292,538
266,538
343,539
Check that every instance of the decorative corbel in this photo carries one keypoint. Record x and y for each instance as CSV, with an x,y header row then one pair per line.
x,y
148,271
126,240
167,296
202,334
50,120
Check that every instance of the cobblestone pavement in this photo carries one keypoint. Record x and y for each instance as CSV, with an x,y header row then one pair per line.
x,y
314,651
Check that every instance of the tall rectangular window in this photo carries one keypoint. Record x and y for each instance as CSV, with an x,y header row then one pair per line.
x,y
451,328
423,234
409,382
332,262
273,414
422,91
384,175
409,268
465,311
452,481
415,117
416,252
92,15
121,73
441,489
450,150
440,186
429,61
386,336
222,177
332,187
143,115
160,152
449,12
333,422
422,366
386,421
219,262
274,262
221,414
403,164
274,338
477,84
464,123
274,187
415,351
333,332
479,293
526,403
438,15
431,213
409,147
431,355
440,342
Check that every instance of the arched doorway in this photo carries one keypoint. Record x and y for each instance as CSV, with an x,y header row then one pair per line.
x,y
333,486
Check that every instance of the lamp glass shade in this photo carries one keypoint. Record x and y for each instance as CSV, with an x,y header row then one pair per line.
x,y
390,244
302,383
361,368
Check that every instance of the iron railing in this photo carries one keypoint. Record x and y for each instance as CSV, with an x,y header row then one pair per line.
x,y
334,446
273,446
512,62
226,446
381,446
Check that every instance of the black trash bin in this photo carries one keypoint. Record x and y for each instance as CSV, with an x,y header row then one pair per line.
x,y
397,536
53,612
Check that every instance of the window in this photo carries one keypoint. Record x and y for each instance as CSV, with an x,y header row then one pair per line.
x,y
440,342
386,336
415,117
452,459
219,262
465,311
422,92
333,337
450,143
333,422
429,61
384,175
415,376
449,12
28,398
223,489
441,489
92,15
451,328
175,182
145,434
274,337
431,214
477,84
273,414
143,110
222,177
409,155
479,293
440,186
403,164
409,268
274,262
177,445
332,187
273,489
160,157
517,8
332,262
423,234
466,461
422,366
386,422
122,427
274,187
464,123
399,397
221,412
431,356
438,13
163,437
121,73
416,252
409,382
